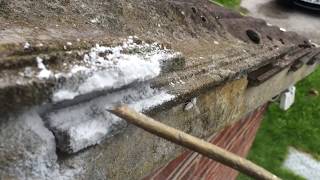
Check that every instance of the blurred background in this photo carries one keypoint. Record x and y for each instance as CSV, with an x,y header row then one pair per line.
x,y
289,138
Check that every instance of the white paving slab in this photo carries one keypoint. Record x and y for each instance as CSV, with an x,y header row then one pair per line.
x,y
302,164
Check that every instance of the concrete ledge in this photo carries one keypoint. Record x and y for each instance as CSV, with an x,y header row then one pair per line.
x,y
190,64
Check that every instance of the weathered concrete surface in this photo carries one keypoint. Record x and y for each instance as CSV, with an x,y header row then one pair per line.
x,y
228,62
257,96
199,30
27,148
134,149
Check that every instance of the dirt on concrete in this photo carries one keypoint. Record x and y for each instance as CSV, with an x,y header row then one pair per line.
x,y
218,50
214,42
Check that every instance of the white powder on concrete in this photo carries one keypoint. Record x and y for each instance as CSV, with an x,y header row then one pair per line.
x,y
95,20
88,130
283,29
44,72
114,67
103,68
93,131
125,70
302,164
157,98
88,123
26,45
77,69
36,145
65,95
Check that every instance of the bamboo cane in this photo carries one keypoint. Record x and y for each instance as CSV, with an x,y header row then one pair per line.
x,y
195,144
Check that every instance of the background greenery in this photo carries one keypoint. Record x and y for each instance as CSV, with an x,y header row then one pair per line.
x,y
299,127
229,3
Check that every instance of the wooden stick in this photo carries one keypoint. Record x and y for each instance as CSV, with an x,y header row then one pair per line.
x,y
195,144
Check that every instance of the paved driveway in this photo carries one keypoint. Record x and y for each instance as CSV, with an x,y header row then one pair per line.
x,y
293,18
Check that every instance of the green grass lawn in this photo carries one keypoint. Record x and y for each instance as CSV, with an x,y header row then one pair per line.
x,y
229,3
298,127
